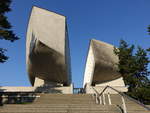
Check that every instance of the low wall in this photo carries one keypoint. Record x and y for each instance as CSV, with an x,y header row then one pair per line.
x,y
16,89
63,89
99,89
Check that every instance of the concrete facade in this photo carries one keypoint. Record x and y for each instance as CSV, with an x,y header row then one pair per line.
x,y
47,49
63,90
101,69
48,58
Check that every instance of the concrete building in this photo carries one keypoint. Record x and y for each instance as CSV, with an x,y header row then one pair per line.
x,y
47,54
101,69
47,49
48,66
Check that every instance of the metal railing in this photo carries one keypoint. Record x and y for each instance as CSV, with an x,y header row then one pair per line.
x,y
97,100
100,98
78,91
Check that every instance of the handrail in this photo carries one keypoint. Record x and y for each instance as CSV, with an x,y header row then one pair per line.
x,y
95,90
92,88
97,95
124,95
120,108
103,90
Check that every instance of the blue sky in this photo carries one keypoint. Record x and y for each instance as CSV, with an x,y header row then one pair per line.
x,y
105,20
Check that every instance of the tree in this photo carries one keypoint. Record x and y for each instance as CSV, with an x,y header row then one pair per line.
x,y
133,66
149,34
149,29
5,28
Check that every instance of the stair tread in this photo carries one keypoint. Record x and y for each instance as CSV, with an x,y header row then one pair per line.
x,y
64,103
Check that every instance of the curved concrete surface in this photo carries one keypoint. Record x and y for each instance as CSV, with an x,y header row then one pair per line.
x,y
105,62
101,65
47,47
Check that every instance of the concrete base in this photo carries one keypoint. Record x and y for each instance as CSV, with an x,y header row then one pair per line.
x,y
117,82
41,89
16,89
40,82
90,89
55,89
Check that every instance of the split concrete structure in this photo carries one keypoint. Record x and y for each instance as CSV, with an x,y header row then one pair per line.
x,y
101,69
48,66
47,54
47,49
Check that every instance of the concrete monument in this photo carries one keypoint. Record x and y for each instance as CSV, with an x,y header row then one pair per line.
x,y
47,49
101,69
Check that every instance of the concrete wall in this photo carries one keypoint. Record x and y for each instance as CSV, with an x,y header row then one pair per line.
x,y
99,89
116,82
63,90
16,89
89,68
101,68
48,27
47,47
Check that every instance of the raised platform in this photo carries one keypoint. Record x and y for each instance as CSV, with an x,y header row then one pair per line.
x,y
46,89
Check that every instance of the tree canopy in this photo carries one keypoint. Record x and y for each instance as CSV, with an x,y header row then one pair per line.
x,y
133,66
149,29
5,27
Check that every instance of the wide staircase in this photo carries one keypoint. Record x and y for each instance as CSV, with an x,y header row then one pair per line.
x,y
61,103
103,102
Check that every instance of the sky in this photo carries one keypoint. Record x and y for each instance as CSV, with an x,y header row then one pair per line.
x,y
104,20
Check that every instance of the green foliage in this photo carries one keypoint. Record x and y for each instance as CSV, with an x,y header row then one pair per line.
x,y
149,29
133,66
3,58
5,27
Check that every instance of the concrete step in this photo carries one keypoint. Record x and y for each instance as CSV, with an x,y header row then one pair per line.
x,y
42,105
58,106
138,111
69,103
74,111
65,112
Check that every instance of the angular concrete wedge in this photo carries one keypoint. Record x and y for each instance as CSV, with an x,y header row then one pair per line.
x,y
101,68
47,48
